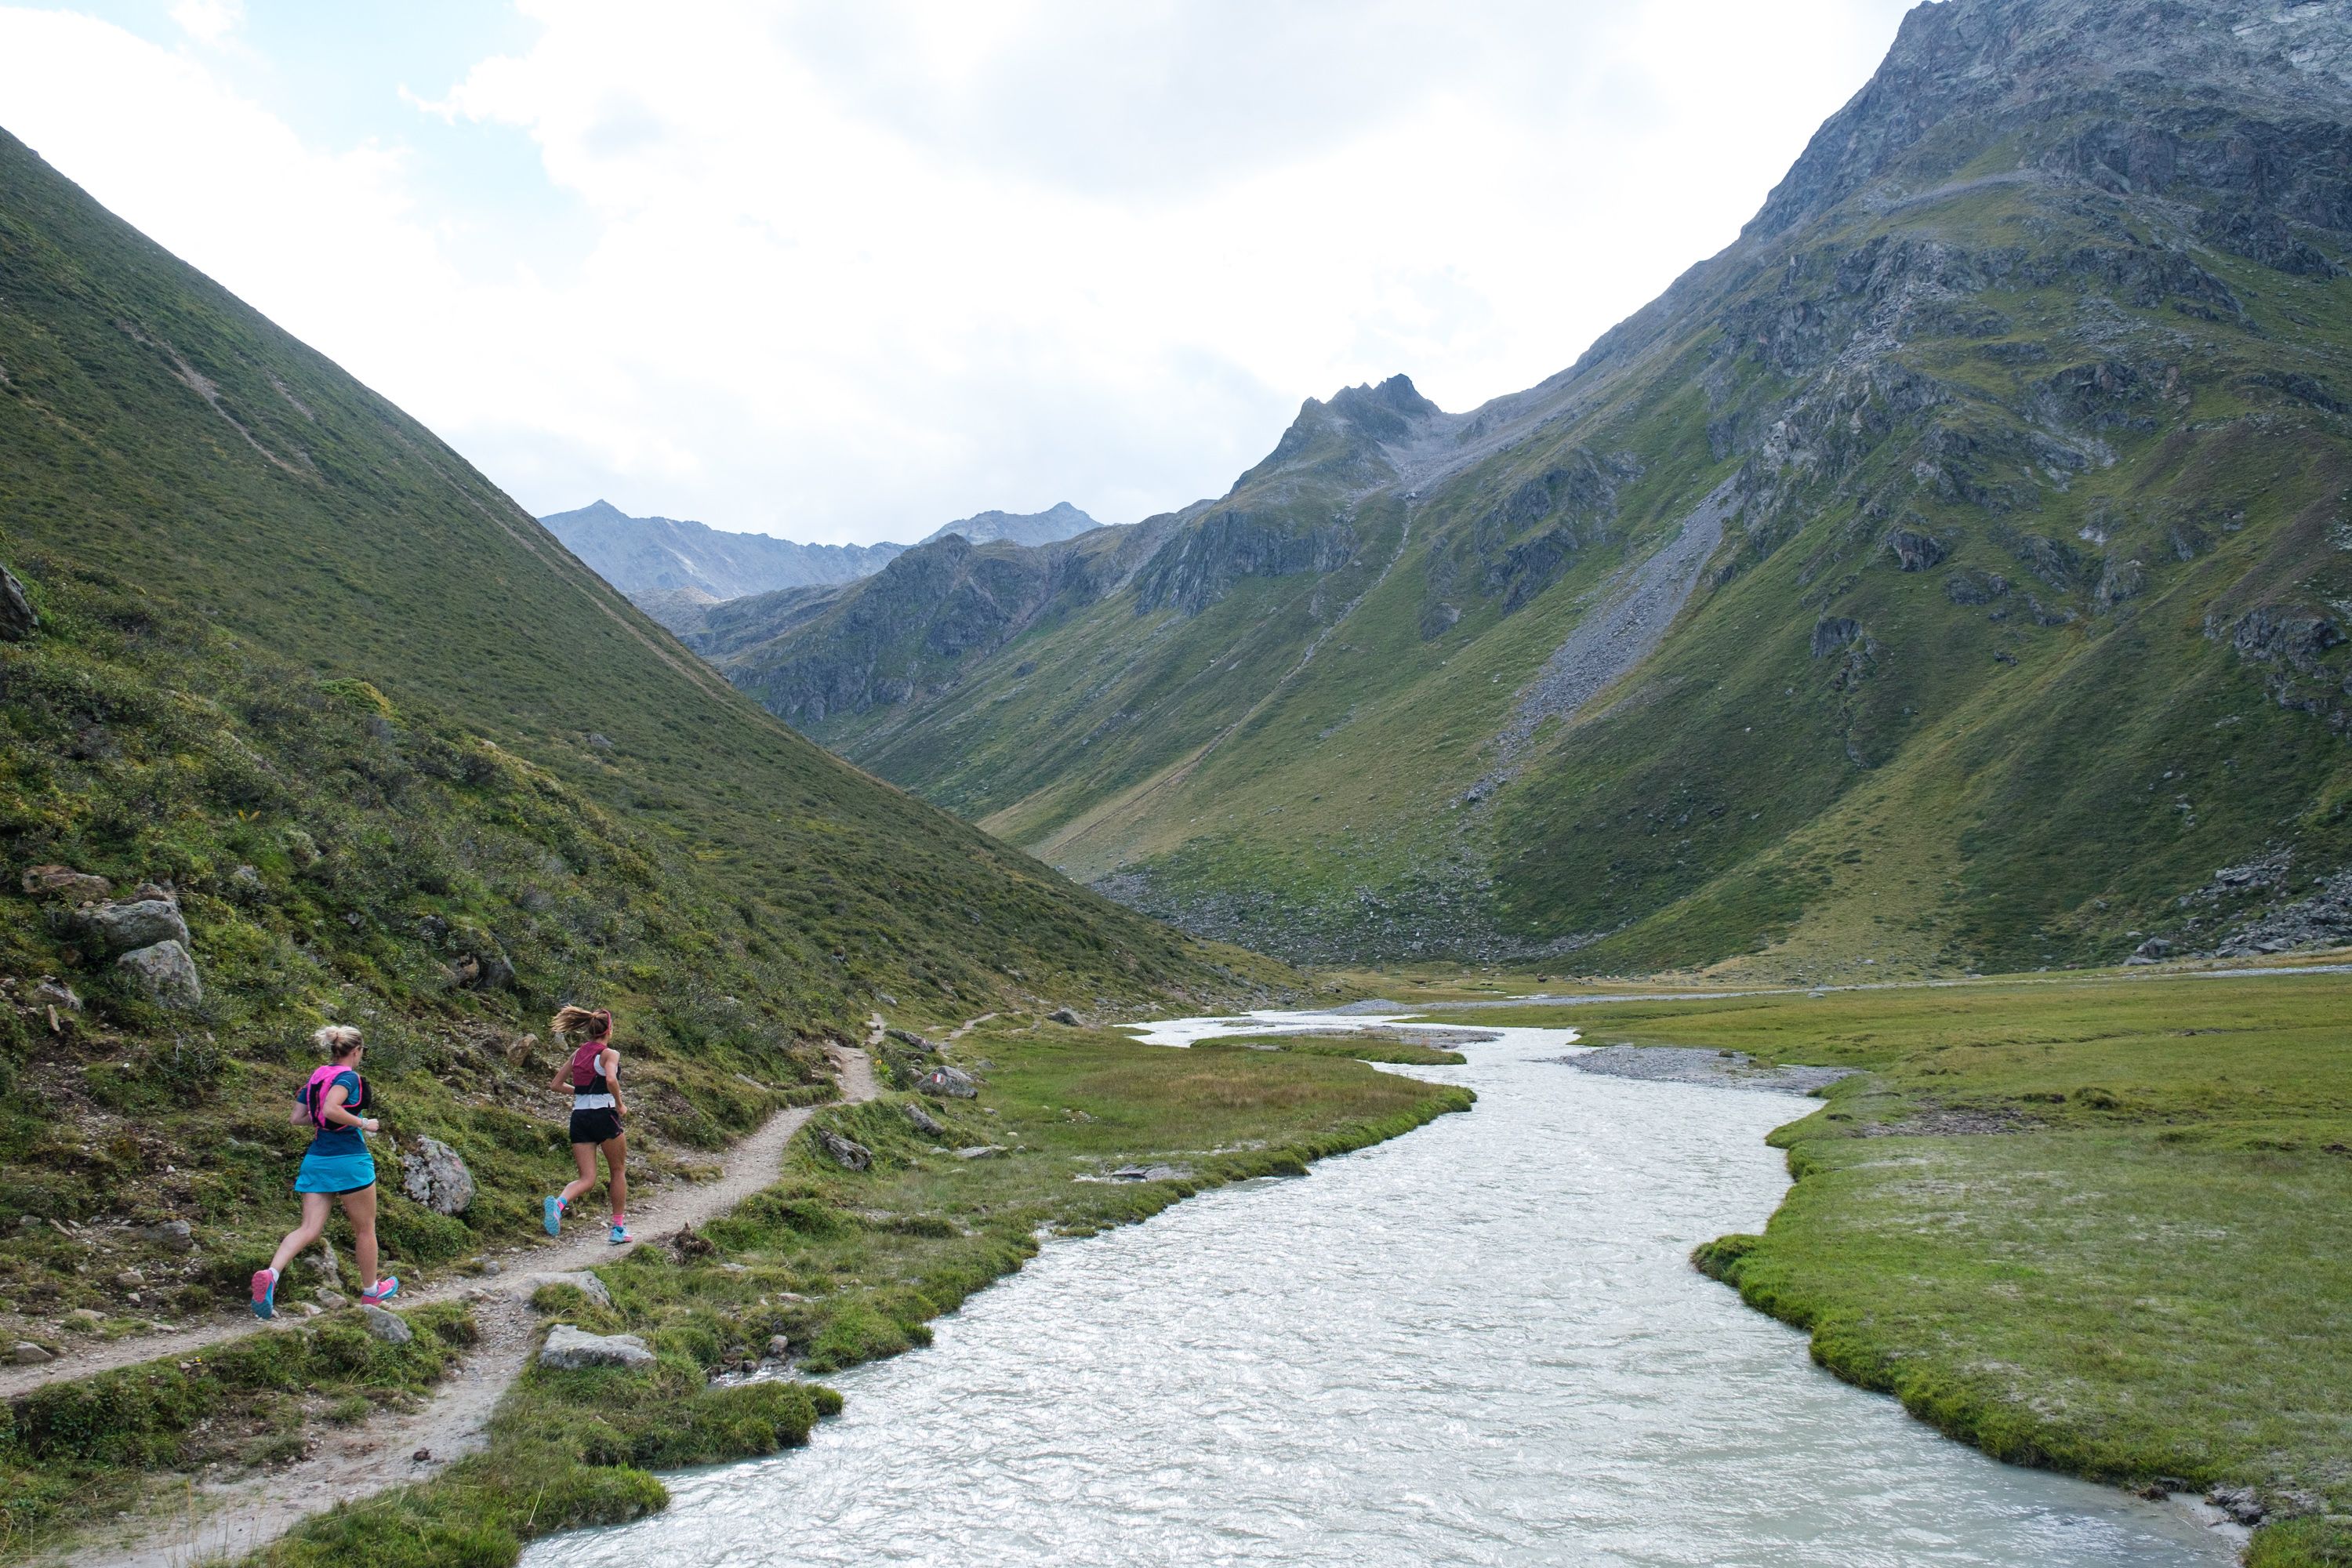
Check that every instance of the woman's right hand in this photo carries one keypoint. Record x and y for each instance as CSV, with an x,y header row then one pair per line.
x,y
370,1124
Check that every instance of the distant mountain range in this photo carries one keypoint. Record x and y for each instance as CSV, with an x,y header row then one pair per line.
x,y
1953,571
1061,520
672,568
640,556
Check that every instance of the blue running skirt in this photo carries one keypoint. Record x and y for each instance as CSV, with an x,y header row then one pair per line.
x,y
336,1173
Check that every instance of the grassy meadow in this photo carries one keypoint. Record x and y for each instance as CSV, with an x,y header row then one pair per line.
x,y
2095,1223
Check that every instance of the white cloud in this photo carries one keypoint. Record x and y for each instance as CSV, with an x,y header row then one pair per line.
x,y
209,21
855,270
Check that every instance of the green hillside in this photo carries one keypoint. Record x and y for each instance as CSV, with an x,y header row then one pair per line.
x,y
1950,573
400,759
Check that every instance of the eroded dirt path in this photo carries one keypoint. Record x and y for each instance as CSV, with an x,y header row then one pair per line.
x,y
232,1519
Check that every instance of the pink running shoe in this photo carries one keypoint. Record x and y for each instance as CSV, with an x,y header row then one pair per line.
x,y
385,1289
265,1294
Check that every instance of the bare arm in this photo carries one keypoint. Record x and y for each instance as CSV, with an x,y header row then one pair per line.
x,y
611,1062
336,1116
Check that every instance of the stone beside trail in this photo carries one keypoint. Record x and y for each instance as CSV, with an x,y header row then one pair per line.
x,y
1688,1064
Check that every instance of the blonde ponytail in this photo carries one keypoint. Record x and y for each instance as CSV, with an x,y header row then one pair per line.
x,y
336,1040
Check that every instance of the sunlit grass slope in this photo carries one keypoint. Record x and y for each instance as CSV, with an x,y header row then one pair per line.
x,y
403,762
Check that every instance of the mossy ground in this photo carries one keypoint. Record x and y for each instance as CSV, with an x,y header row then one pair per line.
x,y
854,1265
2128,1265
72,1454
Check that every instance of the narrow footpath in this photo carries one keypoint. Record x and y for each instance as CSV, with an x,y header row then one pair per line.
x,y
229,1519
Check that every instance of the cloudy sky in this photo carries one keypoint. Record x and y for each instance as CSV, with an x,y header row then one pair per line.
x,y
845,271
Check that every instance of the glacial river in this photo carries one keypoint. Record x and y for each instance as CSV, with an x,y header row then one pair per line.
x,y
1479,1343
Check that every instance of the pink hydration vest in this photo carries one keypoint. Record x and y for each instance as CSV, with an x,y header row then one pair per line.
x,y
314,1093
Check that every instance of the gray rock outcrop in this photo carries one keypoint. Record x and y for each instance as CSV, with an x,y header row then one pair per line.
x,y
579,1279
1832,632
17,620
124,926
2321,919
166,972
1975,587
433,1174
65,882
389,1327
569,1349
949,1083
1913,551
176,1235
924,1121
846,1152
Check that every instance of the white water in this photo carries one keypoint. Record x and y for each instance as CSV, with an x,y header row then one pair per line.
x,y
1479,1343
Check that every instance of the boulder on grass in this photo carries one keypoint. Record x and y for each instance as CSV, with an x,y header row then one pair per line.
x,y
925,1122
569,1349
143,923
847,1154
17,620
65,882
177,1234
389,1327
947,1083
166,972
433,1175
579,1279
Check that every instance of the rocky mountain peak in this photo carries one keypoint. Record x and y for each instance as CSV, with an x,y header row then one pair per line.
x,y
1965,75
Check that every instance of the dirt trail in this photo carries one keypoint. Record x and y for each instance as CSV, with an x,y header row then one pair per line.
x,y
231,1519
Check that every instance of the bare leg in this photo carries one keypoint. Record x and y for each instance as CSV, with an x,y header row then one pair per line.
x,y
616,1159
585,1155
314,1220
359,1208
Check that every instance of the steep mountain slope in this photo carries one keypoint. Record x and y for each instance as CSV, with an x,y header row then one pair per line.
x,y
388,754
1950,573
651,556
1061,520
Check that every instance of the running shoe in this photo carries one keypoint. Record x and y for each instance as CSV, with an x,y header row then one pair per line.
x,y
385,1289
551,1215
265,1294
621,1237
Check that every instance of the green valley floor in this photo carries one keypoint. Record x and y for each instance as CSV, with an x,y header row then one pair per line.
x,y
2094,1223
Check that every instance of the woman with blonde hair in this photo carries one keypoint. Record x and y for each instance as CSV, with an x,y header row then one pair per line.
x,y
593,1076
336,1165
